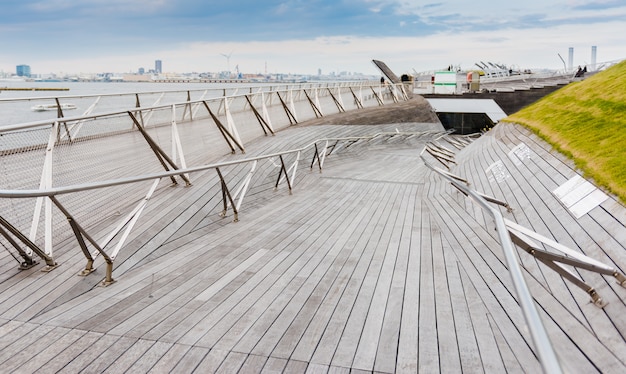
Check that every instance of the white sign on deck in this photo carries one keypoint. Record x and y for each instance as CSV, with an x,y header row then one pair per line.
x,y
579,196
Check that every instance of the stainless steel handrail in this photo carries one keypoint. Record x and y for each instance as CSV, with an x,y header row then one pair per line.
x,y
166,174
227,198
47,122
543,345
234,86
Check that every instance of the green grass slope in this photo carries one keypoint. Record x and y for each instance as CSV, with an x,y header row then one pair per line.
x,y
586,121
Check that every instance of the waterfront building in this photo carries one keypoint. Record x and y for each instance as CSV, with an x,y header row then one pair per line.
x,y
22,70
158,67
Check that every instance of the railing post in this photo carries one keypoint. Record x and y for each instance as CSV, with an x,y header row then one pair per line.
x,y
283,169
231,123
266,115
28,261
225,195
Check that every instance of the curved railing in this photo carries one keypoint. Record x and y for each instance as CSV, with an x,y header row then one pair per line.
x,y
14,109
73,150
543,346
231,200
45,161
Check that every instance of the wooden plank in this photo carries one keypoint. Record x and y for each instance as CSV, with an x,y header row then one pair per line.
x,y
9,328
129,356
489,278
362,248
32,349
298,255
259,328
295,367
212,361
316,369
489,351
248,244
428,352
232,363
387,350
533,213
387,270
71,352
365,355
14,345
253,364
104,359
274,365
509,359
408,337
47,353
102,347
484,158
352,337
230,276
170,359
151,357
188,260
308,343
468,353
449,360
191,360
338,370
293,320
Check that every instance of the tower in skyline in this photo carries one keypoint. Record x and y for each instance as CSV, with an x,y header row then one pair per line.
x,y
158,67
594,52
570,59
22,70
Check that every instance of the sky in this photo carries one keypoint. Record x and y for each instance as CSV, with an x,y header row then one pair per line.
x,y
302,36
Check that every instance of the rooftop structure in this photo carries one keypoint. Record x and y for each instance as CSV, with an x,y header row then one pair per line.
x,y
335,243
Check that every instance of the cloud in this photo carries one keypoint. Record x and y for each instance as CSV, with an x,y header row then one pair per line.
x,y
299,35
598,5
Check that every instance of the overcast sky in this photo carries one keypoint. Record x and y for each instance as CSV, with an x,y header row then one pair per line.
x,y
300,36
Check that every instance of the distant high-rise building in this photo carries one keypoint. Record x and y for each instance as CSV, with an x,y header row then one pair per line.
x,y
23,70
158,67
570,59
594,52
141,71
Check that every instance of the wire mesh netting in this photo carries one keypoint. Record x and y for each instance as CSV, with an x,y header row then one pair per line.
x,y
154,132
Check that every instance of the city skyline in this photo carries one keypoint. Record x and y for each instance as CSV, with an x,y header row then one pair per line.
x,y
142,74
294,36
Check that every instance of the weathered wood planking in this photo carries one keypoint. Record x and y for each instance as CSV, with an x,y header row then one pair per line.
x,y
374,265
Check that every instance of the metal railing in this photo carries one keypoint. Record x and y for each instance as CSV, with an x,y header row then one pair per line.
x,y
230,200
510,233
73,155
542,343
14,109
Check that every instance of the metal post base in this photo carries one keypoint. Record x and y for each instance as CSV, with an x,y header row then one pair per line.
x,y
28,264
106,283
88,269
596,299
49,268
108,280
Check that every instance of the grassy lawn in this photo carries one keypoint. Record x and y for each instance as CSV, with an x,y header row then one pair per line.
x,y
586,121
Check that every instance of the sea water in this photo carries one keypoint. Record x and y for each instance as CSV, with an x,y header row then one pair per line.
x,y
17,112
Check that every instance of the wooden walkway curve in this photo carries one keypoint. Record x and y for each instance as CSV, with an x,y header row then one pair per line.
x,y
374,265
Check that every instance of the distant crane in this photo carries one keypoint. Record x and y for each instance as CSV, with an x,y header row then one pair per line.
x,y
228,61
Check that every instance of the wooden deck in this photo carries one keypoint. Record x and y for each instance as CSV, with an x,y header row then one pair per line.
x,y
374,265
